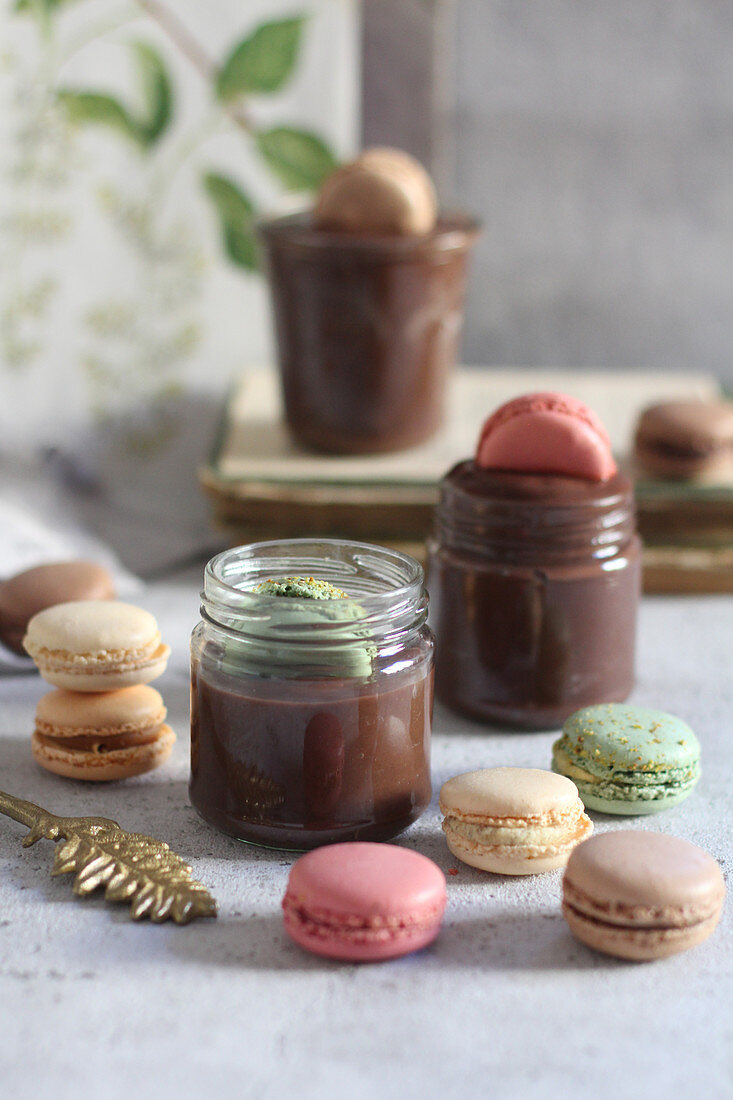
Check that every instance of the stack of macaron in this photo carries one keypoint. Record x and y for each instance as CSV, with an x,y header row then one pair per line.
x,y
103,721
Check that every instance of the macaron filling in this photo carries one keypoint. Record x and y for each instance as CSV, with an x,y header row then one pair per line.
x,y
122,660
625,915
535,841
637,941
637,785
99,743
350,928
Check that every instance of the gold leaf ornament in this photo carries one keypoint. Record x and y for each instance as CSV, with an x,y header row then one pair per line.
x,y
130,866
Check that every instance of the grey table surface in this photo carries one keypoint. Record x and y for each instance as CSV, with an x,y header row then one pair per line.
x,y
504,1004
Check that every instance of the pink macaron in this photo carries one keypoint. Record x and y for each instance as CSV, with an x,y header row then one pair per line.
x,y
546,433
364,902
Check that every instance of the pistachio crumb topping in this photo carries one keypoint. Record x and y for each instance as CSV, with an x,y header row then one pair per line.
x,y
301,588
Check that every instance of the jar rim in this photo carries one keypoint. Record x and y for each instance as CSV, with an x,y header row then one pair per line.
x,y
503,515
455,231
390,583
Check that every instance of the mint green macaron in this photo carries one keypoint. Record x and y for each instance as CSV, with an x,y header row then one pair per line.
x,y
628,760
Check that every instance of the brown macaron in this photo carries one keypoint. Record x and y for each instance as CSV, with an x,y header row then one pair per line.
x,y
641,895
25,594
110,735
686,440
383,192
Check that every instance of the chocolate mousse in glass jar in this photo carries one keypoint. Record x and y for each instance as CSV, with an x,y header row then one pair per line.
x,y
311,693
368,294
534,578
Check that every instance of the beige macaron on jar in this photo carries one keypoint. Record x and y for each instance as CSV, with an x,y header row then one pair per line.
x,y
368,292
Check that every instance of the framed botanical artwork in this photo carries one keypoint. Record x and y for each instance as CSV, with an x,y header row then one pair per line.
x,y
141,141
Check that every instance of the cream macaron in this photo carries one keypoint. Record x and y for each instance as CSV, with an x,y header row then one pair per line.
x,y
513,821
382,192
96,645
110,735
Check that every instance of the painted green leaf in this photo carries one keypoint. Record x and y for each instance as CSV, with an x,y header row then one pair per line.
x,y
236,216
34,6
157,92
101,108
263,61
299,159
97,107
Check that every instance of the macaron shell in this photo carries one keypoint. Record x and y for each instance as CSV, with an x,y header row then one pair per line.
x,y
650,871
67,714
498,793
630,807
113,764
695,426
546,433
87,628
629,737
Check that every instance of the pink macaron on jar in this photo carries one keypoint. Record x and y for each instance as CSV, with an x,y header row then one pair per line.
x,y
535,568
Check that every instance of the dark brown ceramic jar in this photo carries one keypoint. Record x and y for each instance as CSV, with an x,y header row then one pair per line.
x,y
367,330
310,721
534,582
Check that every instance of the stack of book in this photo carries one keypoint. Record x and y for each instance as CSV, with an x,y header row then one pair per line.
x,y
262,485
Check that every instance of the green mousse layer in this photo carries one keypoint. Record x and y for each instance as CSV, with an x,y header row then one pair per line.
x,y
284,643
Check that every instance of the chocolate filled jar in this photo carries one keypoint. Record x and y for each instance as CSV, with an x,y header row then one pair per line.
x,y
310,721
534,582
367,330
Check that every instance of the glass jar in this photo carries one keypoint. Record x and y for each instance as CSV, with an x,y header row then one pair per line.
x,y
534,583
367,330
310,719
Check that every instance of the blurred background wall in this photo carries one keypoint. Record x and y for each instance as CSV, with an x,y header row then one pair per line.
x,y
595,139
